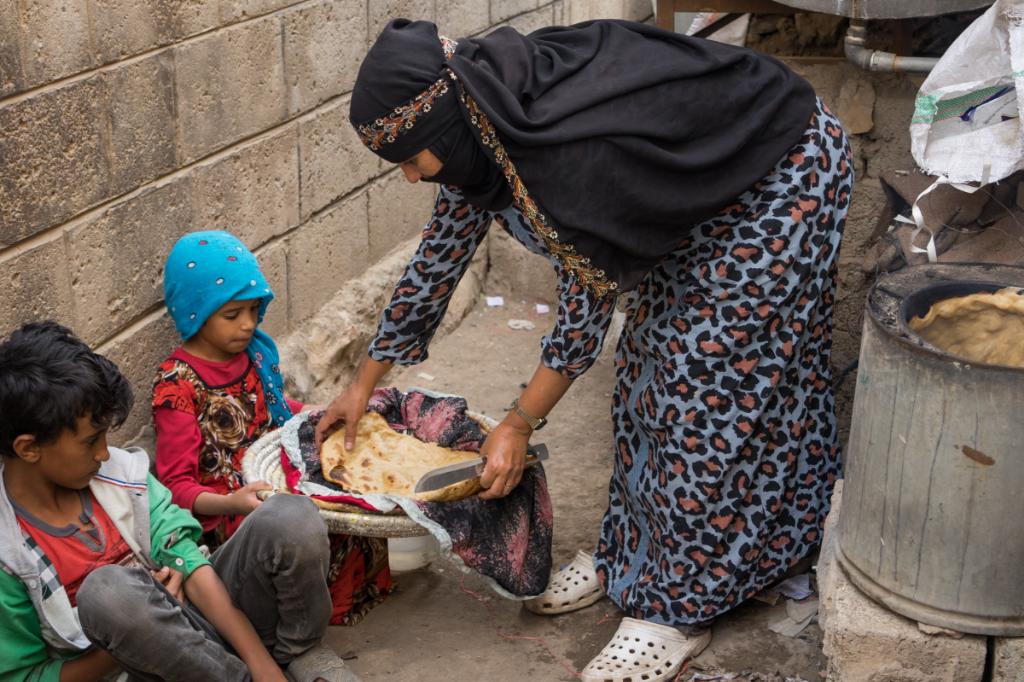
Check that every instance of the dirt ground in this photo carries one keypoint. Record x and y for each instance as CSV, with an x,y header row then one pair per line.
x,y
443,625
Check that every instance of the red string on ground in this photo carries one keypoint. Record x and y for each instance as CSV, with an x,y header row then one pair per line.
x,y
562,661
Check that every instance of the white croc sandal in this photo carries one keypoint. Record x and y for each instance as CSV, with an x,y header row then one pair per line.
x,y
574,587
644,652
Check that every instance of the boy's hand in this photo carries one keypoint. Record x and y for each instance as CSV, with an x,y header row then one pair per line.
x,y
172,580
245,500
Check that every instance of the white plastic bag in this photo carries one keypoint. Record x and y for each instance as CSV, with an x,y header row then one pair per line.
x,y
966,125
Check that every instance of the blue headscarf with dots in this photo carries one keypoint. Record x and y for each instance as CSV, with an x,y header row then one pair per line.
x,y
208,269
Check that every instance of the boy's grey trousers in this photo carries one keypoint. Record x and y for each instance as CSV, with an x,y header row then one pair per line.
x,y
275,570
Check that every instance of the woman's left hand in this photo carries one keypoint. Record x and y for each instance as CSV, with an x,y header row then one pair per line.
x,y
505,450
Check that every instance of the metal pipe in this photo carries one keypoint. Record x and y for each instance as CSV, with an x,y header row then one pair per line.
x,y
877,60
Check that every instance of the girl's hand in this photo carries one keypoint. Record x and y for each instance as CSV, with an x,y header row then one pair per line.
x,y
345,410
505,450
244,500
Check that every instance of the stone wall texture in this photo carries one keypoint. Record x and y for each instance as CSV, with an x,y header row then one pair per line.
x,y
127,123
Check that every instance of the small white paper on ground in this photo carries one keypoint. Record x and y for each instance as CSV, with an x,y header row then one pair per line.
x,y
798,587
522,325
787,627
543,309
495,301
799,614
424,375
799,610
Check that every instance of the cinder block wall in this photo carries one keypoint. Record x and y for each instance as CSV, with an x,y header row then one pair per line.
x,y
126,123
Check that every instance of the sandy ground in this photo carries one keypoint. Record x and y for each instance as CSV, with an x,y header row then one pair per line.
x,y
443,625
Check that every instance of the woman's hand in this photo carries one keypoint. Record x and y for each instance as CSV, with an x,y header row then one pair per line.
x,y
349,407
345,410
505,450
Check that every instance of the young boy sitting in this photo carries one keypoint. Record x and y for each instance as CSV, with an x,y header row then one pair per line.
x,y
101,570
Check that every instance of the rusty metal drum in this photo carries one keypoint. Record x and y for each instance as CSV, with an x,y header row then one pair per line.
x,y
934,472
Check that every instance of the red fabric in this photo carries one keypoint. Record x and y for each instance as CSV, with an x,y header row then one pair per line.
x,y
177,457
72,560
180,403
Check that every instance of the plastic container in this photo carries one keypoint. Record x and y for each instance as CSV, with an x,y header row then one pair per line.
x,y
411,554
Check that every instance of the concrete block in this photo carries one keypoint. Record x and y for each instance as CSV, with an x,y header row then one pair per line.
x,y
11,80
505,9
334,161
586,10
319,357
398,211
55,40
140,102
273,260
117,258
864,642
458,18
230,84
1008,659
253,192
325,253
636,10
560,15
123,28
518,273
323,47
383,11
138,353
530,22
54,164
36,285
237,10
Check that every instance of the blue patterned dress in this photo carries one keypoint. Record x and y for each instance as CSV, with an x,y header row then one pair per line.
x,y
725,432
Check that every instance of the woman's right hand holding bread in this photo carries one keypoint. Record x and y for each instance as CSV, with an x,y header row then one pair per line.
x,y
350,405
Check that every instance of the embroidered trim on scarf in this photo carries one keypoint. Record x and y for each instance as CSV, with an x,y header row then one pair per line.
x,y
585,272
386,129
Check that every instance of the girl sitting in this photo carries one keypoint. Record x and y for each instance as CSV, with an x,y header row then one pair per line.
x,y
219,392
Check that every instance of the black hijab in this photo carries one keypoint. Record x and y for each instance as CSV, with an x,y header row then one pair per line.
x,y
623,135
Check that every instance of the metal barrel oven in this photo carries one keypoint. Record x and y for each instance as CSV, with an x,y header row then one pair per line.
x,y
933,501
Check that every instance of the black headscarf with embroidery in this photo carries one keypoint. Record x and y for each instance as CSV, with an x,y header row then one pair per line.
x,y
625,135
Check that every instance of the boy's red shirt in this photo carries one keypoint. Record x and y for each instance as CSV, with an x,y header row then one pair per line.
x,y
71,557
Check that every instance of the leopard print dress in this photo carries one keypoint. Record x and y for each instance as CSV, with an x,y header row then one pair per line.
x,y
725,451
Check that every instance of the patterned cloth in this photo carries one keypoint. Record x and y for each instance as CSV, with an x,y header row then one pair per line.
x,y
507,541
723,413
231,417
725,432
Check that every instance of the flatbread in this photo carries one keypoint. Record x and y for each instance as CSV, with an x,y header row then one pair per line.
x,y
986,327
385,461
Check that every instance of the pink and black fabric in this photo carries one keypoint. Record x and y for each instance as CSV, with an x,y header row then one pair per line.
x,y
507,540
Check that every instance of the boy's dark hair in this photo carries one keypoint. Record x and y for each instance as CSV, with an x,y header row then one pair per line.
x,y
49,378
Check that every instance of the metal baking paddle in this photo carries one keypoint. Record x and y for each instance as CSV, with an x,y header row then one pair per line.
x,y
471,468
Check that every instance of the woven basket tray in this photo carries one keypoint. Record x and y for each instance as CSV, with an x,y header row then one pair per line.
x,y
262,462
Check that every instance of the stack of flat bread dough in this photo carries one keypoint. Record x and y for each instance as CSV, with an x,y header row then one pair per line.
x,y
385,461
986,327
